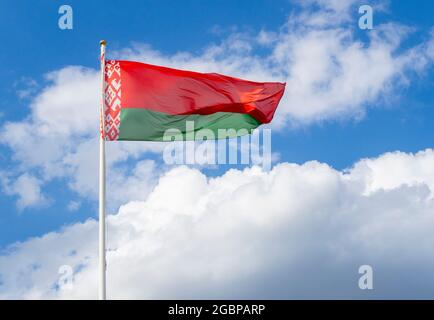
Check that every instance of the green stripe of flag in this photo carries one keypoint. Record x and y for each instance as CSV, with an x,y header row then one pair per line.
x,y
143,124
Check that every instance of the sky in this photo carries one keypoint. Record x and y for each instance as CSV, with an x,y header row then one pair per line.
x,y
352,180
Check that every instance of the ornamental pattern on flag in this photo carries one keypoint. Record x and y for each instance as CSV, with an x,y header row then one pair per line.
x,y
112,99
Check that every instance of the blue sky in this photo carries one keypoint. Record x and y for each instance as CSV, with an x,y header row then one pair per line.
x,y
397,118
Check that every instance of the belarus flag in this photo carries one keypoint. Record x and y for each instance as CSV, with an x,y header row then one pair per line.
x,y
142,101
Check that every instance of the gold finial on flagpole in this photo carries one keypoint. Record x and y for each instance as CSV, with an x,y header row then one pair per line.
x,y
103,42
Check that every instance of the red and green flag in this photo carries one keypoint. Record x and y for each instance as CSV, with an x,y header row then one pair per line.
x,y
142,101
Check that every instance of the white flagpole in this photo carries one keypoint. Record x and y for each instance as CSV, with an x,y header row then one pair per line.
x,y
102,227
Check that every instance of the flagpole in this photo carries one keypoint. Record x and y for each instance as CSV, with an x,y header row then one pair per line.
x,y
102,226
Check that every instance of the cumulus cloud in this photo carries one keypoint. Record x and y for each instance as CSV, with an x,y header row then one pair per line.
x,y
414,169
297,231
26,188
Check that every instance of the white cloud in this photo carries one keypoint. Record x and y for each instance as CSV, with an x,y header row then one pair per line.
x,y
25,87
390,170
26,188
69,105
298,231
73,205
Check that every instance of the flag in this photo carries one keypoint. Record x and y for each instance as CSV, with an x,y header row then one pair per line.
x,y
142,101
